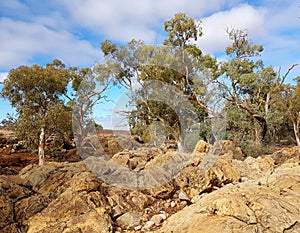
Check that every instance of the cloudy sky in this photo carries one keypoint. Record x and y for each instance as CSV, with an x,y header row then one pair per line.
x,y
36,32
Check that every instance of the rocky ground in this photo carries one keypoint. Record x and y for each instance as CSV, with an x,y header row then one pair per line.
x,y
232,194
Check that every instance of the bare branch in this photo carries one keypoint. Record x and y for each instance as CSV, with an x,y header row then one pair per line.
x,y
287,73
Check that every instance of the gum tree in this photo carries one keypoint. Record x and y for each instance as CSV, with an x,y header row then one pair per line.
x,y
36,94
178,64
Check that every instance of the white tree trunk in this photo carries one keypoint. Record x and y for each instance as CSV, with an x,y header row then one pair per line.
x,y
267,104
297,139
42,148
296,133
296,125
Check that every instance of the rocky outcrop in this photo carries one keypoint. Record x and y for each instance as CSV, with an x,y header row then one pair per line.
x,y
269,204
286,154
194,193
58,197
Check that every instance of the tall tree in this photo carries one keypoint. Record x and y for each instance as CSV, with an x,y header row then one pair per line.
x,y
288,103
250,87
35,92
294,112
89,85
242,80
178,64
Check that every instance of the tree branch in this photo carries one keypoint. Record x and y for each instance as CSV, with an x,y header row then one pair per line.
x,y
287,73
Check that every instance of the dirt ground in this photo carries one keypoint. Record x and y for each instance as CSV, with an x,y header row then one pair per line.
x,y
12,163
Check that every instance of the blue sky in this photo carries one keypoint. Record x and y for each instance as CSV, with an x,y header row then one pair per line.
x,y
36,32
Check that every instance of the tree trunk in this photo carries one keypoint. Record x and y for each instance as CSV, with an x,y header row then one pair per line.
x,y
267,103
263,127
42,148
297,139
296,133
259,119
296,126
180,146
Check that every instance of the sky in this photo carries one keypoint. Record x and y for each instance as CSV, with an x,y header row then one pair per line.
x,y
36,32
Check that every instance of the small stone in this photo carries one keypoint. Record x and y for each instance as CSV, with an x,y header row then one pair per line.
x,y
157,219
138,228
148,225
183,196
173,204
182,204
164,216
167,205
130,219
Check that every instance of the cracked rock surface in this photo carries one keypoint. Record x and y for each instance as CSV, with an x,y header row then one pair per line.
x,y
269,204
255,195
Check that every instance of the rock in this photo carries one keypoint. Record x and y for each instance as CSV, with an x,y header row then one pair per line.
x,y
176,194
148,225
254,168
286,154
197,159
52,177
201,147
231,148
183,196
138,228
140,200
12,188
122,201
173,204
252,206
73,212
163,192
130,219
157,219
193,181
28,207
57,197
122,158
162,170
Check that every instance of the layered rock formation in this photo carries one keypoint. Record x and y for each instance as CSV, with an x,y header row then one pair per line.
x,y
251,195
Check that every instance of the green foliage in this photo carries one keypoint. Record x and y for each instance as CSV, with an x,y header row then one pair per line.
x,y
254,148
178,63
181,30
35,92
9,121
288,104
90,85
261,109
57,121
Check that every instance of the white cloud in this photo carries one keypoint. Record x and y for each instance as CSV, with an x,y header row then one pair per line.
x,y
215,38
13,5
284,17
125,20
3,76
22,41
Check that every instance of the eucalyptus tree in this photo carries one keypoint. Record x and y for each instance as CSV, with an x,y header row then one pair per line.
x,y
36,93
178,65
250,86
293,109
89,85
288,105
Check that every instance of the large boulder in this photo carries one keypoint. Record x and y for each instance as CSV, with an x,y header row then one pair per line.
x,y
73,212
269,204
286,154
68,199
56,197
193,181
12,188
